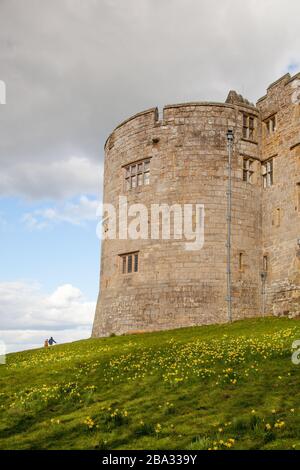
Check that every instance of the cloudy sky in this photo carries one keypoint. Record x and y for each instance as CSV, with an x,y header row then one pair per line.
x,y
73,70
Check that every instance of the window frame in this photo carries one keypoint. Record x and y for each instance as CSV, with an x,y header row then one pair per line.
x,y
248,170
268,173
298,197
265,263
137,174
249,126
129,263
271,124
241,261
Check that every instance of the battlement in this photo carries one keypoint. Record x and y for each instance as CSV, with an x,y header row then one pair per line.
x,y
285,80
154,118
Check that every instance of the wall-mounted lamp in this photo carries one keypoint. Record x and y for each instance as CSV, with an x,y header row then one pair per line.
x,y
230,135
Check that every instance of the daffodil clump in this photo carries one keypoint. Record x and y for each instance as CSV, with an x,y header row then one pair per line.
x,y
115,416
178,362
89,422
45,395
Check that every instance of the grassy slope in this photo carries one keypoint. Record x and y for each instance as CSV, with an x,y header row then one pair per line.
x,y
194,388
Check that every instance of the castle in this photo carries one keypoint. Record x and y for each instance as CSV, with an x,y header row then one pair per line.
x,y
179,157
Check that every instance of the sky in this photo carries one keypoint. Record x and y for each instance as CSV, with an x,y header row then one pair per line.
x,y
73,70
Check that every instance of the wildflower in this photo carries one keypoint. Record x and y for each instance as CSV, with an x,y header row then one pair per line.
x,y
158,428
89,422
279,424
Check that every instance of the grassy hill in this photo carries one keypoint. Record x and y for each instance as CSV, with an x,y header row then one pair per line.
x,y
212,387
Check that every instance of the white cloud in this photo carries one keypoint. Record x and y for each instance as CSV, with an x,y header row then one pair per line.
x,y
53,179
28,315
85,210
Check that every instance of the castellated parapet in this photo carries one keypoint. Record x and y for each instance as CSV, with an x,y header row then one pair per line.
x,y
187,155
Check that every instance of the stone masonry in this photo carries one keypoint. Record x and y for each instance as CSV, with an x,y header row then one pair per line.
x,y
187,150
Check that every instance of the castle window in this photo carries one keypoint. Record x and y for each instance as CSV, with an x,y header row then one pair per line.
x,y
277,217
265,263
271,124
267,173
247,169
137,174
241,261
129,263
248,127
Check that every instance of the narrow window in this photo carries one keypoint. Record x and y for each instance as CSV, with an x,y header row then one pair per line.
x,y
137,174
278,217
271,124
129,263
265,263
247,169
245,126
241,261
251,128
298,197
267,173
248,127
136,262
124,264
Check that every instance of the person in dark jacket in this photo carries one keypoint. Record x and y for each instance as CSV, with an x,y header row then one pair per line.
x,y
51,341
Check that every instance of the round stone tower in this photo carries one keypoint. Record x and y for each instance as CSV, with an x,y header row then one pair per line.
x,y
182,158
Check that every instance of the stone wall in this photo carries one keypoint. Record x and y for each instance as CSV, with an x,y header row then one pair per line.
x,y
188,151
281,202
175,287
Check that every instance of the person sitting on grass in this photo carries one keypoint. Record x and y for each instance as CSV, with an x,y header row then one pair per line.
x,y
52,341
46,343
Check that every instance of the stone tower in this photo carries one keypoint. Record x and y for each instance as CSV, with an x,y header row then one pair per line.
x,y
181,158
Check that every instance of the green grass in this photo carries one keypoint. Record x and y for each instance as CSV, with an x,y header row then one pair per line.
x,y
211,387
